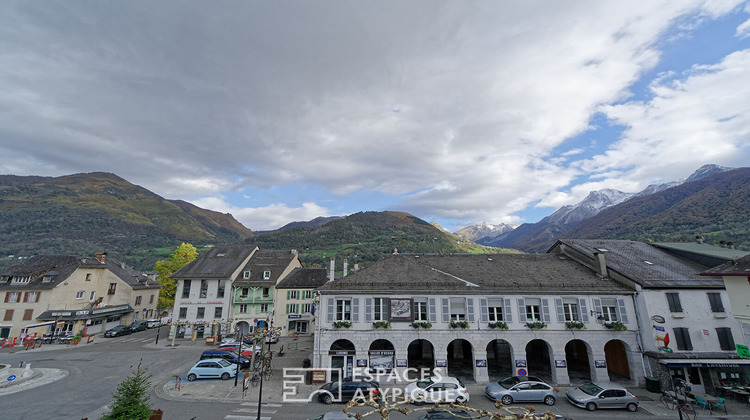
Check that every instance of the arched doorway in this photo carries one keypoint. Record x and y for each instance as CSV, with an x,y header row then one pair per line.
x,y
243,327
342,354
382,356
577,359
421,355
499,359
616,355
461,359
538,359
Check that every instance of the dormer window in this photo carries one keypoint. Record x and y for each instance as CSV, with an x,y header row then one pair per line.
x,y
21,279
47,279
4,279
246,274
266,275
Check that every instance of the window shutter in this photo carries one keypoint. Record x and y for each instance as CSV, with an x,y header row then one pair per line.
x,y
287,307
7,296
446,311
470,309
288,292
432,310
387,309
355,310
484,316
622,314
368,309
521,310
330,309
545,311
584,312
598,307
560,311
26,297
507,311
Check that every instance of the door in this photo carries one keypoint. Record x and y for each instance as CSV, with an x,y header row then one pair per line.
x,y
301,326
607,399
341,367
522,392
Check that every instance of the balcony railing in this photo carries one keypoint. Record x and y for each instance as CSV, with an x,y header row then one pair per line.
x,y
252,299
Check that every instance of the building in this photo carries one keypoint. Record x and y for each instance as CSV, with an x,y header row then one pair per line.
x,y
686,325
254,287
70,294
203,298
296,300
479,317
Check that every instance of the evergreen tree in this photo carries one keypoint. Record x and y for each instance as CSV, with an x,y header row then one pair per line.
x,y
131,400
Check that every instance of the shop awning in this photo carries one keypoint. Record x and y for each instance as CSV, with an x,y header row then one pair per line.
x,y
40,324
73,314
707,363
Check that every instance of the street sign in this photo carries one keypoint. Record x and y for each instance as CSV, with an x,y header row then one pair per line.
x,y
521,372
11,377
743,351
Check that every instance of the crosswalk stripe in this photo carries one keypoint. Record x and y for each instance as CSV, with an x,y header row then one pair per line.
x,y
233,417
145,340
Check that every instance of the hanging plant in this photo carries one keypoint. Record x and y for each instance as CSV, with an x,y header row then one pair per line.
x,y
499,325
459,324
536,325
615,325
342,324
424,325
381,324
575,325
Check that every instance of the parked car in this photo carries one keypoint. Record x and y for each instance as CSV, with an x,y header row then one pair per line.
x,y
153,323
332,415
345,391
118,331
445,415
245,350
228,355
232,339
528,391
272,338
212,368
592,396
437,389
139,326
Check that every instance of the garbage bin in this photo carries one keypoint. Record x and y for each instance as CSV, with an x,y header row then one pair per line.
x,y
652,385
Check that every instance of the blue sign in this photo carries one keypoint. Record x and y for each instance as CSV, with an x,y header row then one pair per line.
x,y
660,329
11,377
295,316
521,372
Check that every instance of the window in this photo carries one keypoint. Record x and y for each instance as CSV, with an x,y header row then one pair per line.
x,y
23,279
307,308
726,341
204,289
33,296
246,274
380,309
183,313
308,294
11,297
263,308
293,294
217,312
343,310
80,294
244,292
92,296
673,299
201,312
570,309
682,335
715,300
266,292
88,276
292,308
8,315
266,275
47,278
112,288
243,308
138,300
495,309
28,314
420,310
220,289
533,309
458,309
186,289
609,310
151,300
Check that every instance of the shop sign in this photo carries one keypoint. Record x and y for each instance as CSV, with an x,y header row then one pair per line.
x,y
743,351
341,352
66,313
666,350
319,376
658,319
295,316
382,352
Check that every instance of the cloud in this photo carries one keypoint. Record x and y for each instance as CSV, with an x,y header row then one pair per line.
x,y
268,217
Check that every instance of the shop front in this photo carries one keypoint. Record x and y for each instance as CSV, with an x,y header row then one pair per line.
x,y
705,375
85,321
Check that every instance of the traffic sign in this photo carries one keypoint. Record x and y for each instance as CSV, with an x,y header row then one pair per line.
x,y
743,351
11,377
521,372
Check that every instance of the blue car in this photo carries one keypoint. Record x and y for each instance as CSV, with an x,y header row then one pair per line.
x,y
212,368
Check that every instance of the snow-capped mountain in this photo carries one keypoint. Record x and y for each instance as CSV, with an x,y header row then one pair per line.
x,y
484,231
590,206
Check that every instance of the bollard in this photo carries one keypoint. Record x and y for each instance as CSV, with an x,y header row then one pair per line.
x,y
20,365
27,372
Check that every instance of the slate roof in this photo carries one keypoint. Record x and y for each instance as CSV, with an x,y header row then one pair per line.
x,y
219,262
476,274
725,254
62,266
304,278
738,267
265,260
644,264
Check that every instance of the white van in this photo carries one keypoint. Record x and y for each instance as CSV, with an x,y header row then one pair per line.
x,y
153,323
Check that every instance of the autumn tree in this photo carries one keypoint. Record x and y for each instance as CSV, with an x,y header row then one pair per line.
x,y
181,256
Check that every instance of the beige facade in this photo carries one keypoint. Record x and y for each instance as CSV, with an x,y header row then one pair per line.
x,y
294,311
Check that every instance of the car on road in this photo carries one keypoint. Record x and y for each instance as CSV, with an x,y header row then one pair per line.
x,y
527,391
118,331
445,415
437,389
153,323
272,338
139,326
228,355
212,368
332,415
345,391
593,396
245,350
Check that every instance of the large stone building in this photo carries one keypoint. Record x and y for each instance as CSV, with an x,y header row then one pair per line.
x,y
70,294
564,323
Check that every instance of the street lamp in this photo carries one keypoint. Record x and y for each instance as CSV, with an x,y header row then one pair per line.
x,y
238,333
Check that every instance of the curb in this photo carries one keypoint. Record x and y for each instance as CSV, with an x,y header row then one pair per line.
x,y
39,377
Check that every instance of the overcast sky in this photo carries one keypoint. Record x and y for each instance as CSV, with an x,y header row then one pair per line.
x,y
457,112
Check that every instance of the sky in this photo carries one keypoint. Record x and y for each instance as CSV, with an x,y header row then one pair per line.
x,y
456,112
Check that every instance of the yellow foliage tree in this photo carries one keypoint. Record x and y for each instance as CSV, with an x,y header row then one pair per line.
x,y
184,254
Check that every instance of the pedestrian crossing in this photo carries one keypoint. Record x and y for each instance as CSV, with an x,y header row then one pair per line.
x,y
249,411
130,340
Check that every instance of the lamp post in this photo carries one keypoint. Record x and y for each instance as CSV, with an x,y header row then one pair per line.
x,y
238,333
158,330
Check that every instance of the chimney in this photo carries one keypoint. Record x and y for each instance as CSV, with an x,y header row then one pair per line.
x,y
600,264
723,244
346,267
699,239
395,251
102,257
356,267
332,270
730,245
295,252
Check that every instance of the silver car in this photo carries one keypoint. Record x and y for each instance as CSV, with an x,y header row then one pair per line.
x,y
528,391
592,396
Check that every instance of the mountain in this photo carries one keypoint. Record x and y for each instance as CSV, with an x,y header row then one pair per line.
x,y
318,221
366,237
86,213
535,237
484,232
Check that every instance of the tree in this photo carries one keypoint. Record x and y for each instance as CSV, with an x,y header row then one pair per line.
x,y
131,400
184,254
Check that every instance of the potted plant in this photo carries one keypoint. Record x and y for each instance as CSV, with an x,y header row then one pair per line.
x,y
423,325
536,325
381,324
342,324
575,325
77,338
615,325
459,324
499,324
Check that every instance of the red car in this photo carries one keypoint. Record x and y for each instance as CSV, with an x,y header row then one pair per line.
x,y
245,350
